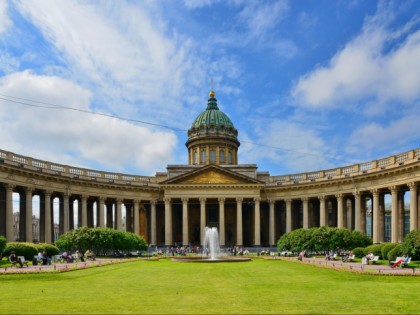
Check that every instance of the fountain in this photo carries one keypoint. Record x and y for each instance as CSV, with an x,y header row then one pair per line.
x,y
211,250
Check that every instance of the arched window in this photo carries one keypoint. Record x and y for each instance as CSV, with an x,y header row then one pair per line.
x,y
203,156
195,157
229,157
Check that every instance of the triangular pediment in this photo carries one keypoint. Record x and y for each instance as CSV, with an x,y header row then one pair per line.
x,y
211,174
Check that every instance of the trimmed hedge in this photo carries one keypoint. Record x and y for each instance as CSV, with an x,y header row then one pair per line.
x,y
2,244
376,250
28,250
51,250
397,251
359,252
386,248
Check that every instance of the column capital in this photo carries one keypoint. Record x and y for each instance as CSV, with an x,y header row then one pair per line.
x,y
221,199
271,201
339,196
357,194
412,186
167,199
85,197
29,189
239,199
375,192
305,199
101,198
119,200
10,186
202,199
184,199
393,189
257,199
153,202
136,200
48,192
322,197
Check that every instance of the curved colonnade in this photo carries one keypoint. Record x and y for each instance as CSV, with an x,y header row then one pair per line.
x,y
250,208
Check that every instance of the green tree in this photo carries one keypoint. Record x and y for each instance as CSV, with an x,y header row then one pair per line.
x,y
2,244
412,244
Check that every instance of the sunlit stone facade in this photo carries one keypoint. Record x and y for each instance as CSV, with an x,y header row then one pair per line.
x,y
249,207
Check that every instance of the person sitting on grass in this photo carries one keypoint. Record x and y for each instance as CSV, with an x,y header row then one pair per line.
x,y
402,260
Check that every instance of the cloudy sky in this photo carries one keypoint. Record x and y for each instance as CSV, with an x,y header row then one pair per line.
x,y
114,85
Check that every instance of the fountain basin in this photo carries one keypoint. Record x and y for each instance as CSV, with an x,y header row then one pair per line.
x,y
209,260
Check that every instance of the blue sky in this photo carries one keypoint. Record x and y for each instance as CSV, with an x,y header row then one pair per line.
x,y
309,84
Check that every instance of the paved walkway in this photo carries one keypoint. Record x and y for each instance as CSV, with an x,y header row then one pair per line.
x,y
357,266
61,266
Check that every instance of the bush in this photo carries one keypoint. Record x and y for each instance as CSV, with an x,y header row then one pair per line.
x,y
375,249
51,250
386,248
359,252
2,244
397,251
412,244
358,239
28,250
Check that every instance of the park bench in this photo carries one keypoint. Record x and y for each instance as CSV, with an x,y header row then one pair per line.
x,y
22,259
402,264
351,258
374,260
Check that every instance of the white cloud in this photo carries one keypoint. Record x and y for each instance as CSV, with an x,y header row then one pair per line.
x,y
365,69
289,144
121,51
5,21
72,137
8,63
261,17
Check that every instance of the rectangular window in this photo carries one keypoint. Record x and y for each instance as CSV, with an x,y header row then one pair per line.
x,y
222,156
195,157
203,156
212,156
229,157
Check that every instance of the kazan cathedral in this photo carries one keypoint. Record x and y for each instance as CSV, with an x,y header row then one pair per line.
x,y
249,207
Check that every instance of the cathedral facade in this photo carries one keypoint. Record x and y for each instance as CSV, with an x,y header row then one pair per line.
x,y
249,207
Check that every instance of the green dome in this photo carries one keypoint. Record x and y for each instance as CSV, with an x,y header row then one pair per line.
x,y
212,116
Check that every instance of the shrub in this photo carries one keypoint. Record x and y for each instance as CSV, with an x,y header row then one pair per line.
x,y
412,244
375,249
358,239
51,250
397,251
2,244
28,250
359,252
386,248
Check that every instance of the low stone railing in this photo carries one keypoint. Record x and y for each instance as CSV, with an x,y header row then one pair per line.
x,y
349,171
29,163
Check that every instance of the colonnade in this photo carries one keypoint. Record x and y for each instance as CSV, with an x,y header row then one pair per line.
x,y
181,219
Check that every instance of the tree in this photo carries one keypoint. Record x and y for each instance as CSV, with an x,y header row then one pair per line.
x,y
411,244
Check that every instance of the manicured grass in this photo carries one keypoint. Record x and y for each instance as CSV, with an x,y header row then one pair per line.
x,y
166,287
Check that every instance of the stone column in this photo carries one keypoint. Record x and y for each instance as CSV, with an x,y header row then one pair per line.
x,y
322,211
153,221
394,214
257,222
239,232
118,214
357,211
375,215
109,214
168,222
222,233
84,210
413,206
185,240
101,211
202,218
401,216
136,217
271,226
340,211
305,207
66,212
28,214
48,223
9,212
363,214
288,215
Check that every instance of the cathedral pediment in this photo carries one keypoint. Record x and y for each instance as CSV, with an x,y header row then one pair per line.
x,y
211,174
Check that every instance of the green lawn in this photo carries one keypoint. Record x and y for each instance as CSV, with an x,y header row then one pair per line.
x,y
165,287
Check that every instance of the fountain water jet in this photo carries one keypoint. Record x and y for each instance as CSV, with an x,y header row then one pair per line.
x,y
211,246
211,250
